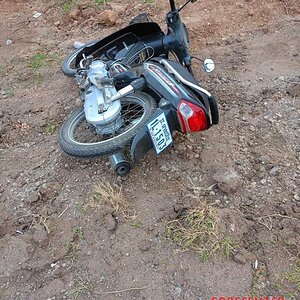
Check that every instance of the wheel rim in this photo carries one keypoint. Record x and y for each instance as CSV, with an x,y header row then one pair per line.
x,y
71,62
132,114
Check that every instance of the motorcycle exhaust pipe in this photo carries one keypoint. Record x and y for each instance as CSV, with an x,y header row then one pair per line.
x,y
119,163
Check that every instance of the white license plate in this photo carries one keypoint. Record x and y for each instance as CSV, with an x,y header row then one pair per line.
x,y
160,133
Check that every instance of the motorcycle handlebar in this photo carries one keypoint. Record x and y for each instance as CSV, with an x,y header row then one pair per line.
x,y
172,5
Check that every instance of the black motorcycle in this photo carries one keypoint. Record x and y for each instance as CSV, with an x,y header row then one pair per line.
x,y
134,95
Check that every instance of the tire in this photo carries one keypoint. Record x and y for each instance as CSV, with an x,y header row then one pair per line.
x,y
68,66
112,144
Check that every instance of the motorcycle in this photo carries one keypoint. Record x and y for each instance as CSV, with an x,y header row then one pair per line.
x,y
137,87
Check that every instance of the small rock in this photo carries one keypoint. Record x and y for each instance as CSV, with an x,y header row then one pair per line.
x,y
263,181
177,291
239,162
108,17
164,168
264,159
296,197
228,180
110,222
57,23
281,78
40,236
274,171
8,42
37,15
75,14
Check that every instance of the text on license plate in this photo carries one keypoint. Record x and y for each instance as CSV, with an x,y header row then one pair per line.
x,y
160,133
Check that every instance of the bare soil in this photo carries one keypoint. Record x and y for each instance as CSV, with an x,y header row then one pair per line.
x,y
55,245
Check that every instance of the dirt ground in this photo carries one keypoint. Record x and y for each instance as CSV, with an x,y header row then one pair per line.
x,y
56,243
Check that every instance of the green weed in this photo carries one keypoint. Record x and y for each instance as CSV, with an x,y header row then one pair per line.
x,y
51,128
37,61
136,224
68,6
293,276
101,1
79,234
79,207
8,93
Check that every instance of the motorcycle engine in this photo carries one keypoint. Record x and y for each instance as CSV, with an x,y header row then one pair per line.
x,y
104,116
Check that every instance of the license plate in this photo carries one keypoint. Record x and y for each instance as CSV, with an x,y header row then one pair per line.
x,y
160,133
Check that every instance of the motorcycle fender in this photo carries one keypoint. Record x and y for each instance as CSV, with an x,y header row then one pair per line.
x,y
140,30
141,143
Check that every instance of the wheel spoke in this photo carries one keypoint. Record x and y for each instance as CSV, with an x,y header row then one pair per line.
x,y
132,111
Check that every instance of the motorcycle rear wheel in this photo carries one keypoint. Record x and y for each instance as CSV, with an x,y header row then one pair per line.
x,y
79,138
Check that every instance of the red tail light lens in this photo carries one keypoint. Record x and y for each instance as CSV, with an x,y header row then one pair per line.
x,y
192,117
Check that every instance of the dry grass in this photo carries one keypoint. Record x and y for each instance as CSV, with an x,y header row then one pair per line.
x,y
106,194
199,230
39,220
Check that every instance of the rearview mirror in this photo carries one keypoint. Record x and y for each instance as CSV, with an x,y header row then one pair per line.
x,y
209,65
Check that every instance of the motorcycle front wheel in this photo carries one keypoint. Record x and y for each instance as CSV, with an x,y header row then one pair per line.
x,y
81,139
68,66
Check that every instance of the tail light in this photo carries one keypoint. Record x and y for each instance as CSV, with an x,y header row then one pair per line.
x,y
192,117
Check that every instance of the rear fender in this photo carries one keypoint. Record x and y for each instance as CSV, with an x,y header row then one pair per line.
x,y
141,143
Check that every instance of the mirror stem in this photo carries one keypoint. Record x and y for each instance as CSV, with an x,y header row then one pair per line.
x,y
186,3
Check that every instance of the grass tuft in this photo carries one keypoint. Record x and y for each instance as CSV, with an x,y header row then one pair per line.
x,y
68,5
37,61
105,193
101,1
199,230
51,128
293,276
